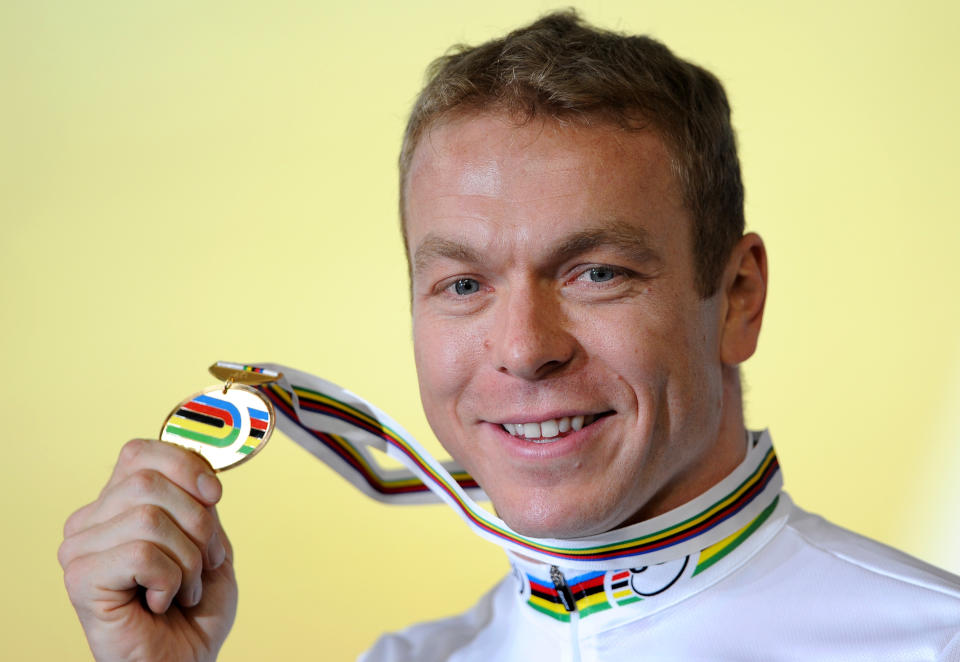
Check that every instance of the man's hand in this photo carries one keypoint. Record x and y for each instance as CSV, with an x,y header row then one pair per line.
x,y
147,565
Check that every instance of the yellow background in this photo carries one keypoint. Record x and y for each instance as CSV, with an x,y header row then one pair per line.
x,y
182,182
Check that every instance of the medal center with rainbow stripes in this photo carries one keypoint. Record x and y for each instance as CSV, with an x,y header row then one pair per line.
x,y
225,426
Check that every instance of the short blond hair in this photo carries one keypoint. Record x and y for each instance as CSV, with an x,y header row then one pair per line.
x,y
561,68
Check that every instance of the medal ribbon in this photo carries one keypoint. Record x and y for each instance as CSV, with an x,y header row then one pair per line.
x,y
340,428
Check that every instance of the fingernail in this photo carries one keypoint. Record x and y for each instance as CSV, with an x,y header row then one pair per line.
x,y
209,487
197,594
217,552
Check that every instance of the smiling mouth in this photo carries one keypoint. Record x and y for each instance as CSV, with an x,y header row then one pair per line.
x,y
552,429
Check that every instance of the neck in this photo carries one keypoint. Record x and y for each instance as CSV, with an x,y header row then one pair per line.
x,y
713,520
712,463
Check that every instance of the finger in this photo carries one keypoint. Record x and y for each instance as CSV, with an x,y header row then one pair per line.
x,y
78,519
151,488
148,523
184,467
219,549
104,581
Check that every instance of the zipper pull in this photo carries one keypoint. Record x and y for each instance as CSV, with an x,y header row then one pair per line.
x,y
563,591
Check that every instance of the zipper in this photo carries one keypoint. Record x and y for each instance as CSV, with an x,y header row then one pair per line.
x,y
566,599
563,591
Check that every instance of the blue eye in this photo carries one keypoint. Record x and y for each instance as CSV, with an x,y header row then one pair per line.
x,y
601,274
466,286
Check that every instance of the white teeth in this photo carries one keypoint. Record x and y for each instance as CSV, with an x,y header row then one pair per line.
x,y
548,429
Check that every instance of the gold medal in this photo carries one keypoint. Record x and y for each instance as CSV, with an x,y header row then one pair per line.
x,y
226,424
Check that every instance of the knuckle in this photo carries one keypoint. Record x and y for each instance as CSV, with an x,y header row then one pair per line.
x,y
74,575
69,526
150,517
70,577
64,554
201,524
145,481
73,523
131,450
142,553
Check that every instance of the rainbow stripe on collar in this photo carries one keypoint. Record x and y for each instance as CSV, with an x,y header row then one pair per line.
x,y
340,428
598,591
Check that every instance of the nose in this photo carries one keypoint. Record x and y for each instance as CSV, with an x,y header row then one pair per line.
x,y
531,338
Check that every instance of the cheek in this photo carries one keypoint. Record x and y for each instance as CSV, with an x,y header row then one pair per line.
x,y
637,348
696,381
662,353
446,357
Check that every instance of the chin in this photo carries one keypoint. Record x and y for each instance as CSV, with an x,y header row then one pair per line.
x,y
542,518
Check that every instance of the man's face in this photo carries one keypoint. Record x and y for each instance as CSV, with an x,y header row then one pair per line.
x,y
564,356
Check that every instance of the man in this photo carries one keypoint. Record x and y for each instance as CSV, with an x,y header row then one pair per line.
x,y
582,296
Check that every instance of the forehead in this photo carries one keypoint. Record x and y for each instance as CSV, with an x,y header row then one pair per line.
x,y
487,176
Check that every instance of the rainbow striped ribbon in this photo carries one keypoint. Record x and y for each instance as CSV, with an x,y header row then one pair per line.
x,y
340,428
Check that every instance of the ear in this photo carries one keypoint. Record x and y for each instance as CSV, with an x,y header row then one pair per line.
x,y
744,294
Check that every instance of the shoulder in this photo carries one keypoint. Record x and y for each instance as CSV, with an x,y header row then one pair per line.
x,y
819,587
440,639
868,561
818,582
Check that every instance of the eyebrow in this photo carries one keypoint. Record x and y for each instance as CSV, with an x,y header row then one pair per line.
x,y
626,238
434,247
623,237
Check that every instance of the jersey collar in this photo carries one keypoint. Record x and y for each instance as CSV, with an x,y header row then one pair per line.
x,y
601,599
